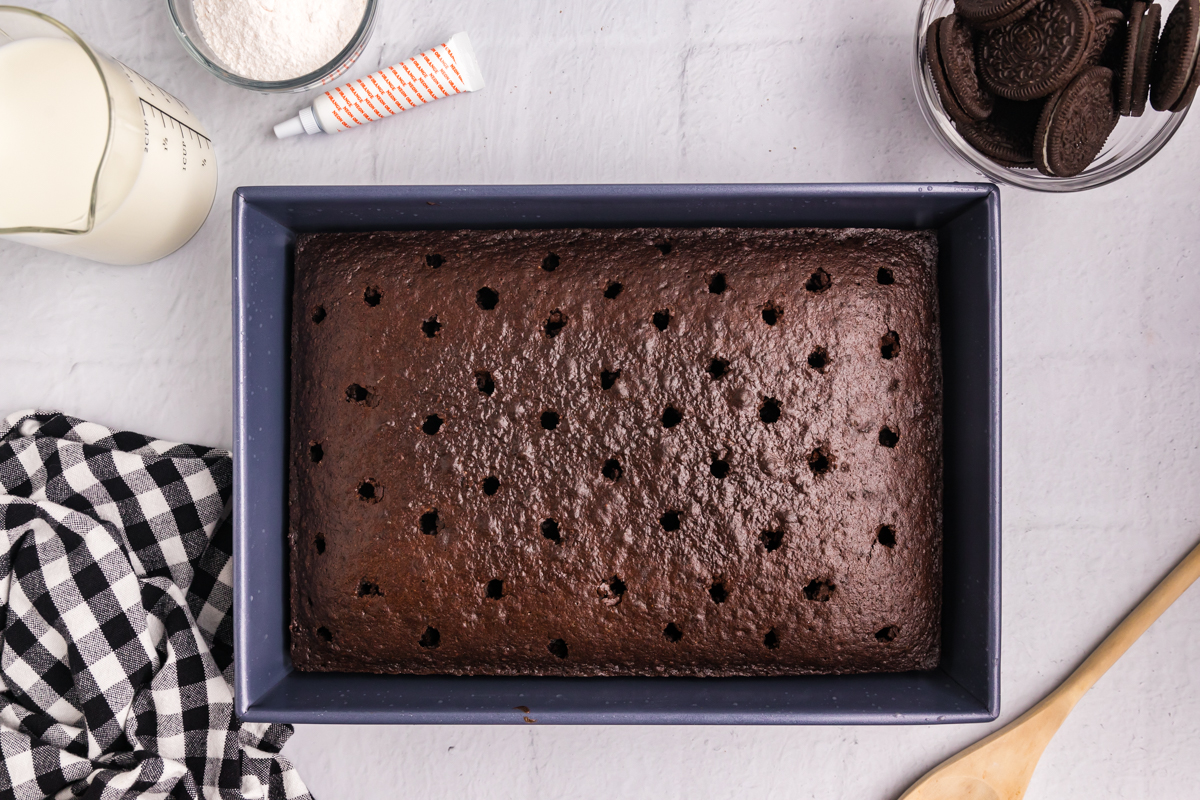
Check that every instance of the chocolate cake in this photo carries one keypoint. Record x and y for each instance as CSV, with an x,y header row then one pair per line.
x,y
702,452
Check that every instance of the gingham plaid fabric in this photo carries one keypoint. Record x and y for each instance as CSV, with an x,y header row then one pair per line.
x,y
117,645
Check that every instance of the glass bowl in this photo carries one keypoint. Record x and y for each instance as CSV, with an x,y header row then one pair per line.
x,y
183,17
1133,143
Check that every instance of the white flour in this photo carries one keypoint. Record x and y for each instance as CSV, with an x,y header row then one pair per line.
x,y
274,40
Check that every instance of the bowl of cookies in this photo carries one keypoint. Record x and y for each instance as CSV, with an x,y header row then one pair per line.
x,y
1055,95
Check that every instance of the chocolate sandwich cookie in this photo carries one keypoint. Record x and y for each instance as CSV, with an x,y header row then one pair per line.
x,y
1006,137
956,44
1108,42
1039,54
1075,124
937,70
1147,44
1174,76
933,54
987,14
1129,61
1012,18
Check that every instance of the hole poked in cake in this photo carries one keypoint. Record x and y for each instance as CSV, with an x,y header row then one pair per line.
x,y
671,417
368,589
608,378
771,313
555,323
315,452
819,591
661,319
558,648
429,522
887,634
318,314
818,282
717,368
369,491
818,359
319,541
770,411
889,345
717,283
885,276
491,485
771,640
549,420
372,296
432,424
487,298
664,247
886,536
551,262
612,469
771,540
888,437
671,520
672,633
718,592
820,461
325,633
434,260
718,468
612,590
613,290
485,383
361,395
551,531
430,327
495,589
430,639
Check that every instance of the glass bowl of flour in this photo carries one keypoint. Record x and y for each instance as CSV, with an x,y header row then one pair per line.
x,y
274,45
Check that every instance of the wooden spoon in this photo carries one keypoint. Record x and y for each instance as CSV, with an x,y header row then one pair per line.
x,y
1000,766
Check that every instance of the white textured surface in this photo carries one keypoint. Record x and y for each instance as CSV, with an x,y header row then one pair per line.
x,y
1101,365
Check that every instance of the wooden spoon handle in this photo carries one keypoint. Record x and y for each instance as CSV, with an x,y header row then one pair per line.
x,y
1132,627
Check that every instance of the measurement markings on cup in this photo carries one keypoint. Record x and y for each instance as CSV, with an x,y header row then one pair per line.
x,y
169,123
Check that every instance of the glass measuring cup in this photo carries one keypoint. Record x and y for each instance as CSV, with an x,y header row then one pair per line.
x,y
96,160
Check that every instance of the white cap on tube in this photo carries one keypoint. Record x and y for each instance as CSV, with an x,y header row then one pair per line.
x,y
304,122
289,127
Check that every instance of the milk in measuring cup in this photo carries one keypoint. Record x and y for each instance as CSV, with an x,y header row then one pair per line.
x,y
96,160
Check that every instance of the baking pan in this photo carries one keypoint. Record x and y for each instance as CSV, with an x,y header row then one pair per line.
x,y
964,688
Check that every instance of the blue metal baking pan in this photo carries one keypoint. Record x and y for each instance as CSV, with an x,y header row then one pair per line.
x,y
964,688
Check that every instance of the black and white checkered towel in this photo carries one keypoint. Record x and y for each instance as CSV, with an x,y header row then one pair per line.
x,y
117,644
